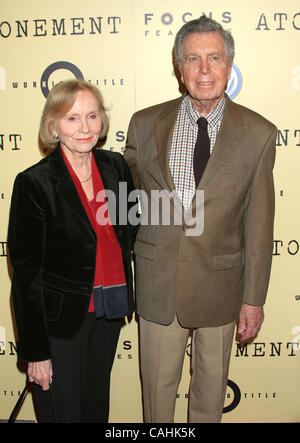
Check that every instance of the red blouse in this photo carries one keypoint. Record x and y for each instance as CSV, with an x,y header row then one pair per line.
x,y
109,280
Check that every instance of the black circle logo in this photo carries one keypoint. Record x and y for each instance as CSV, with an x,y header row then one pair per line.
x,y
54,67
236,397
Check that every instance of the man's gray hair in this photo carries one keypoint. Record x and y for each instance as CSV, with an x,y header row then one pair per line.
x,y
200,25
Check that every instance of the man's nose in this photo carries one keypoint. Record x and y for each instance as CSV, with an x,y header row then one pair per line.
x,y
204,66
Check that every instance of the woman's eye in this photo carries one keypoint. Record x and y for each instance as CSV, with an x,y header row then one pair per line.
x,y
95,115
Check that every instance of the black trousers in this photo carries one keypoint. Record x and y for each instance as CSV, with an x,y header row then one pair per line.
x,y
82,366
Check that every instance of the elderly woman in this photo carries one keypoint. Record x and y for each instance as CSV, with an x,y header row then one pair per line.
x,y
72,281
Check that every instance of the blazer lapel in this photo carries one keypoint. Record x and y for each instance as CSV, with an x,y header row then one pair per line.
x,y
65,185
108,173
163,131
228,140
110,179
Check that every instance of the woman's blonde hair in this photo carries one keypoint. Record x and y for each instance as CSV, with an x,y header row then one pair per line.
x,y
60,100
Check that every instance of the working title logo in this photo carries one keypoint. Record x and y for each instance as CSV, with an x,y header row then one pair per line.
x,y
46,83
233,395
54,67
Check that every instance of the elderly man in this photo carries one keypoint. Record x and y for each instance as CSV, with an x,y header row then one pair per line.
x,y
205,282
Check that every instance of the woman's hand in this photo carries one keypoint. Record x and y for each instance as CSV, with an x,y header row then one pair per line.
x,y
40,373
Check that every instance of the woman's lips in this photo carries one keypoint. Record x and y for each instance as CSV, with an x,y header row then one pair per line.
x,y
85,139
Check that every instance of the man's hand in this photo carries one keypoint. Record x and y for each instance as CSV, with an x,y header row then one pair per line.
x,y
40,373
250,321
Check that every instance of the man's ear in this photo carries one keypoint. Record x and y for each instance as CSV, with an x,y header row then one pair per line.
x,y
181,74
229,71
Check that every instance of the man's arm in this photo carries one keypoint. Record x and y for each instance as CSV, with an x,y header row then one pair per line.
x,y
131,152
258,233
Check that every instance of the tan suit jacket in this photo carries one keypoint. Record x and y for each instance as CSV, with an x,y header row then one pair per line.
x,y
205,278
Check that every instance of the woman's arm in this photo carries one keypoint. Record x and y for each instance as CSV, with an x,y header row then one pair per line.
x,y
26,244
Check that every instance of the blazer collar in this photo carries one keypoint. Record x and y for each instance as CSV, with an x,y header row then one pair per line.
x,y
163,131
229,136
228,139
65,186
59,170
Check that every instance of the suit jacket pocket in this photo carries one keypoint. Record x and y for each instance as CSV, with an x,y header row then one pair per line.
x,y
57,283
64,296
235,168
227,261
144,249
53,304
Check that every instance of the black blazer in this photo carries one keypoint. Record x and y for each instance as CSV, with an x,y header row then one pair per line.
x,y
52,248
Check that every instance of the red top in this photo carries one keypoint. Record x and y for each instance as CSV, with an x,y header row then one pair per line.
x,y
109,271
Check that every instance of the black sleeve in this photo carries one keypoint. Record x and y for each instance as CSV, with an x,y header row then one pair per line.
x,y
26,239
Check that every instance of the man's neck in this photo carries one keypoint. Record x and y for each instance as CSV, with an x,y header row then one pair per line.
x,y
204,107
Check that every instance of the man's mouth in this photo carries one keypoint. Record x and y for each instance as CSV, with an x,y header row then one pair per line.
x,y
208,83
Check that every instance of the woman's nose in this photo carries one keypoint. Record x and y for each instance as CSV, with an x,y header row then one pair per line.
x,y
84,127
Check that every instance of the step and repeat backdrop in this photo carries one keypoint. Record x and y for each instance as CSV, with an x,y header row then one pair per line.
x,y
125,48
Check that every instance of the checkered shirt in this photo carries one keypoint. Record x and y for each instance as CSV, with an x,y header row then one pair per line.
x,y
181,152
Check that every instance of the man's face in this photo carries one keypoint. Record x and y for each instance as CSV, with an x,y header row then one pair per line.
x,y
205,69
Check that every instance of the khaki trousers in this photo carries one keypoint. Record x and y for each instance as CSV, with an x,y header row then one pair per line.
x,y
162,351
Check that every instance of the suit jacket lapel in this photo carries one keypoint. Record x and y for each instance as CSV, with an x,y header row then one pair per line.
x,y
228,139
64,184
163,131
111,180
108,173
66,188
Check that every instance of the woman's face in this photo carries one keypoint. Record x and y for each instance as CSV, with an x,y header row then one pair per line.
x,y
78,131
